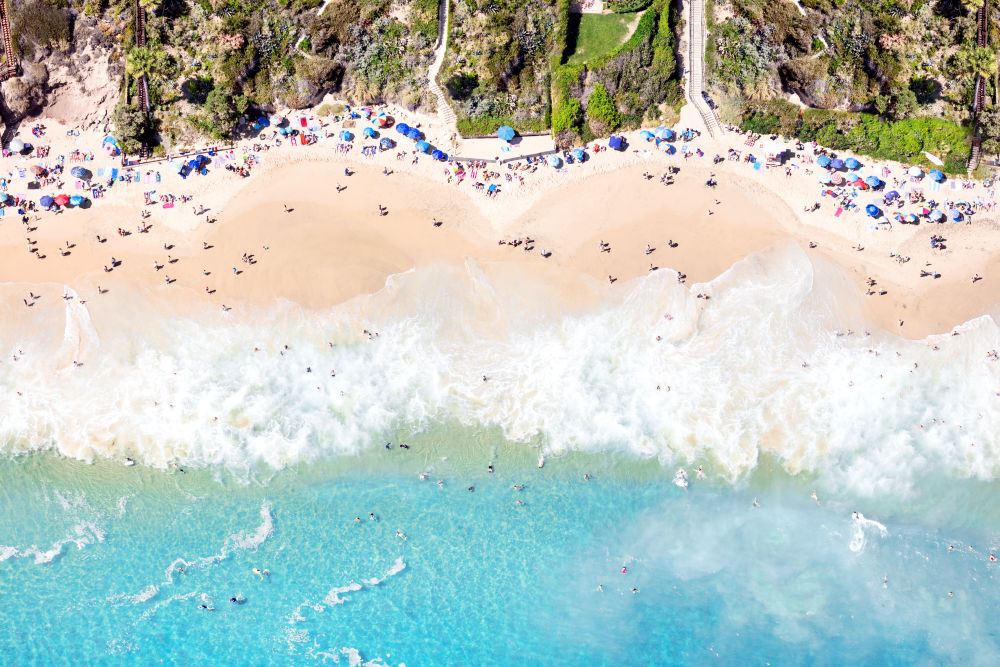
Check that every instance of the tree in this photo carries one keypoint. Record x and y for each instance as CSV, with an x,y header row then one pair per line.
x,y
975,61
601,108
989,126
148,61
131,126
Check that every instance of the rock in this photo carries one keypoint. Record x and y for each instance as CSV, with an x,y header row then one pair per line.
x,y
25,94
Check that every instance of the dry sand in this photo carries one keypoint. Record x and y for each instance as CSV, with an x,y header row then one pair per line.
x,y
332,246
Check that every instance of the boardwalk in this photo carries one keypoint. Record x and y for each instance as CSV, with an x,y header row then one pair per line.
x,y
696,67
11,66
979,93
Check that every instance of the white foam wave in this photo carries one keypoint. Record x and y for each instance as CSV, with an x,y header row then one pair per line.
x,y
397,567
860,527
756,370
83,534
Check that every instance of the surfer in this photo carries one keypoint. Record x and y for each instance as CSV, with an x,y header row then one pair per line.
x,y
260,574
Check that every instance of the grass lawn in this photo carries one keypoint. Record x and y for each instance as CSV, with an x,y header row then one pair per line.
x,y
593,35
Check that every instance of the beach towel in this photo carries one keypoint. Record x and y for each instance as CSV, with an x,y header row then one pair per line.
x,y
157,177
169,204
100,171
114,175
840,209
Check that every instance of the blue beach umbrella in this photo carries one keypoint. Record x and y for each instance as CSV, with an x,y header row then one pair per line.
x,y
936,215
369,131
439,155
554,161
76,200
578,154
955,214
386,142
937,175
423,146
892,194
346,136
193,164
872,210
647,135
664,133
824,177
263,122
413,133
852,178
873,181
79,172
851,163
670,150
506,132
823,161
836,164
46,201
402,128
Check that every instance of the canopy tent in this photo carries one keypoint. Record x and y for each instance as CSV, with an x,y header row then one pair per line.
x,y
369,132
824,177
414,133
76,200
616,143
647,135
851,163
402,128
774,152
346,136
423,146
506,132
578,154
46,201
936,215
554,160
915,171
670,150
890,195
873,211
62,200
664,133
386,142
16,145
80,172
836,164
439,155
823,161
937,175
873,181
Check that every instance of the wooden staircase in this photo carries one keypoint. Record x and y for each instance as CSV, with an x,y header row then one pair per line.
x,y
11,65
696,67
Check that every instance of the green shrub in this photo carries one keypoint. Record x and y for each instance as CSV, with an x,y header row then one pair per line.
x,y
601,107
625,6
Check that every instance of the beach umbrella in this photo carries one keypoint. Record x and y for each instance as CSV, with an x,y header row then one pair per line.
x,y
578,154
873,181
836,179
910,217
892,194
670,150
16,145
852,178
423,146
439,155
955,214
836,164
937,215
46,201
80,172
263,121
872,210
647,135
402,128
506,132
345,135
824,177
193,164
369,131
915,171
76,200
937,175
851,163
62,200
414,134
386,142
37,170
823,161
277,120
664,133
110,140
616,143
4,198
554,161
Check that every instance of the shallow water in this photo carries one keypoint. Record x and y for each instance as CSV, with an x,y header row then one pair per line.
x,y
756,388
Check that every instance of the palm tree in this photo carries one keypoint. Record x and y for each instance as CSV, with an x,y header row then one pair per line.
x,y
148,61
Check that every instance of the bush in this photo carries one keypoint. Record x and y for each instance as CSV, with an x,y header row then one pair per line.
x,y
601,108
625,6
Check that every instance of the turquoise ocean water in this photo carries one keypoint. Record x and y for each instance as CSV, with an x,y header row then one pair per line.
x,y
264,459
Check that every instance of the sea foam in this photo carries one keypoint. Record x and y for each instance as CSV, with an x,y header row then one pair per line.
x,y
644,368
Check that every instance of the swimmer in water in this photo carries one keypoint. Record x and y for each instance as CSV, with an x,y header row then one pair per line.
x,y
371,515
634,591
260,574
624,570
357,519
755,503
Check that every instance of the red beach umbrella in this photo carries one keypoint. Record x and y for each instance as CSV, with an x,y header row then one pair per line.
x,y
62,200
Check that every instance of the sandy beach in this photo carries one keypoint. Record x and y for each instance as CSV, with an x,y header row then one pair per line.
x,y
332,243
